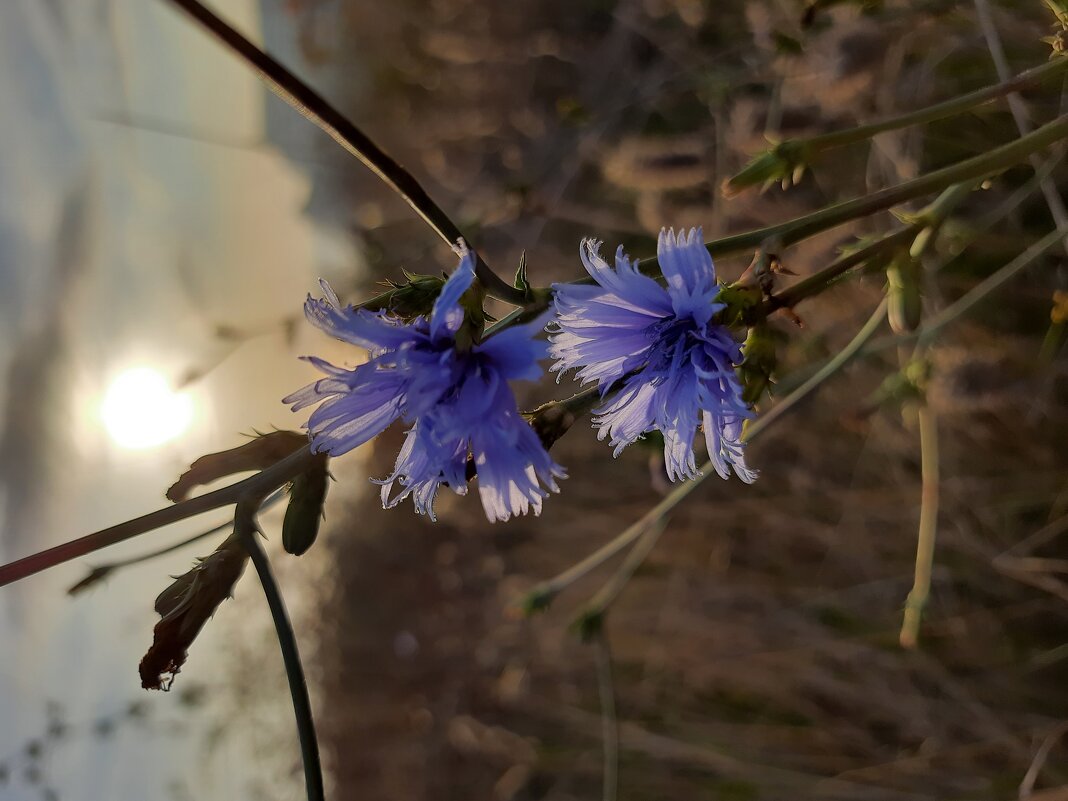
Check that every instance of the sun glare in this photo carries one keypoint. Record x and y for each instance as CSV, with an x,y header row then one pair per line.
x,y
140,410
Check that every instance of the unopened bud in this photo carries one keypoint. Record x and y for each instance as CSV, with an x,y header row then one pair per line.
x,y
305,511
904,276
758,363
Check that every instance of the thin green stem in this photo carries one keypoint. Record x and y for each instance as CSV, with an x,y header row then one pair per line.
x,y
608,593
543,594
928,529
245,524
338,127
606,690
840,360
947,108
964,304
258,486
981,166
819,281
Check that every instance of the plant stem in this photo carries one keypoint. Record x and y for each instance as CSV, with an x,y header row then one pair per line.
x,y
607,595
947,108
609,718
544,593
819,281
983,165
102,571
256,486
840,360
966,302
298,687
928,529
338,127
1019,111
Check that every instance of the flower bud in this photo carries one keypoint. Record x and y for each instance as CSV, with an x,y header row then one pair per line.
x,y
758,362
306,496
904,276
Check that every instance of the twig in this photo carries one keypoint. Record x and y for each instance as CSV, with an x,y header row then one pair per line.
x,y
967,301
1019,110
983,165
928,529
101,572
338,127
245,525
607,595
256,486
836,363
1009,86
609,719
1027,786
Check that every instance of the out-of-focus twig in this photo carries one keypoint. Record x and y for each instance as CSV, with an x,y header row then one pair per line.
x,y
609,719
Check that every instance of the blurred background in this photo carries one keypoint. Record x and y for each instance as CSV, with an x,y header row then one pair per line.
x,y
162,218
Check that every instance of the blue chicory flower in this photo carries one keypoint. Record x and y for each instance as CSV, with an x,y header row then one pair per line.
x,y
672,366
456,399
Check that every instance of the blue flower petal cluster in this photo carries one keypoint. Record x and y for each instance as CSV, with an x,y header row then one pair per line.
x,y
672,367
455,397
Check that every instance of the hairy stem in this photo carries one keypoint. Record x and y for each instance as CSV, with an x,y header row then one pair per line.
x,y
338,127
287,641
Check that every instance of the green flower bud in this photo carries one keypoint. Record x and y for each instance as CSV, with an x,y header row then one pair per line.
x,y
758,363
306,496
904,276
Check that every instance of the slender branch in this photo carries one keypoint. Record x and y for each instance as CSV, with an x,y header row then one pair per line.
x,y
819,281
947,108
607,595
966,302
338,127
256,486
543,594
245,524
606,689
100,572
1019,111
840,360
928,529
989,163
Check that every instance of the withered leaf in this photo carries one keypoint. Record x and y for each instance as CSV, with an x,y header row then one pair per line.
x,y
258,454
184,607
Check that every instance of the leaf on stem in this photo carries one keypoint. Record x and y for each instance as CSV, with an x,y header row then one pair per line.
x,y
784,163
184,607
259,454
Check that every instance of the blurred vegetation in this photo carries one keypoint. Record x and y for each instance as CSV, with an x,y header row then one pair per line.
x,y
757,650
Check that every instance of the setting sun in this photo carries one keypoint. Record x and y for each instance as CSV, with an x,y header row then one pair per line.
x,y
141,410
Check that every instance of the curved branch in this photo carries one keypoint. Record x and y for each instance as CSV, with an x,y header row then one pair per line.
x,y
342,130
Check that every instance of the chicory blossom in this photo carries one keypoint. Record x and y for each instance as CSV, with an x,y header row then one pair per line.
x,y
657,346
453,393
